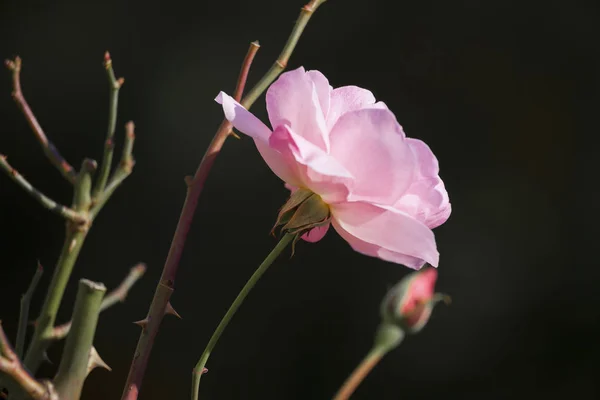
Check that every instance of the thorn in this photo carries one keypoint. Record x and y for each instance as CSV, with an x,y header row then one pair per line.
x,y
120,81
188,180
96,361
170,310
204,370
235,135
143,323
46,358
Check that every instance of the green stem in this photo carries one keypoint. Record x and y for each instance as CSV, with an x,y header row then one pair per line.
x,y
281,63
358,375
45,322
388,337
109,144
24,312
198,370
73,367
44,200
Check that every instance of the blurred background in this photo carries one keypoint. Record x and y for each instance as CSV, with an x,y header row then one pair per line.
x,y
506,93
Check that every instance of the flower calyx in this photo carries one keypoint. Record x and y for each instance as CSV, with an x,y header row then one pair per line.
x,y
302,212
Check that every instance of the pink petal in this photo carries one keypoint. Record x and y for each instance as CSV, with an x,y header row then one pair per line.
x,y
426,199
372,146
385,233
294,100
283,166
316,234
323,90
319,172
242,119
349,98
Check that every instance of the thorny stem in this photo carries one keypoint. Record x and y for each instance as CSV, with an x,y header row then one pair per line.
x,y
44,200
24,312
73,367
166,284
199,369
115,296
11,366
49,149
109,144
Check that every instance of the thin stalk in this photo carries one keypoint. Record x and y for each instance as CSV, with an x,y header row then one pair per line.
x,y
109,144
44,200
362,370
387,338
281,63
49,149
24,312
199,369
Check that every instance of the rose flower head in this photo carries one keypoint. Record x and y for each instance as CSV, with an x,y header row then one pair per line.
x,y
349,155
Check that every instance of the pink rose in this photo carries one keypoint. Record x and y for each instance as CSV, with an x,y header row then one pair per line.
x,y
382,188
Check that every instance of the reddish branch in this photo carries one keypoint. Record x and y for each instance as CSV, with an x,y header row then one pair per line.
x,y
51,152
160,303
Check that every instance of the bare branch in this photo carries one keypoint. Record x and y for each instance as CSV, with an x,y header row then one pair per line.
x,y
49,149
44,200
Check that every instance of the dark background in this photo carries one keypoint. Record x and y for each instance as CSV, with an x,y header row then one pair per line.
x,y
505,93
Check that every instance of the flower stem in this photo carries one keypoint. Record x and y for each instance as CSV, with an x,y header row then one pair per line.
x,y
199,369
387,338
359,374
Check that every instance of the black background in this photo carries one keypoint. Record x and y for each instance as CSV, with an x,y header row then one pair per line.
x,y
504,92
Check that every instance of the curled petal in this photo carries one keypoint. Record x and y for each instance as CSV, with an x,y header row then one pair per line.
x,y
385,233
242,119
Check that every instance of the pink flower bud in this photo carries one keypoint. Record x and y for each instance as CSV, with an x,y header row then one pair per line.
x,y
410,302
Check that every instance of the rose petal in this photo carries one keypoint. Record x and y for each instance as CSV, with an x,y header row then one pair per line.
x,y
243,119
426,199
385,233
319,172
294,100
349,98
323,90
371,145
